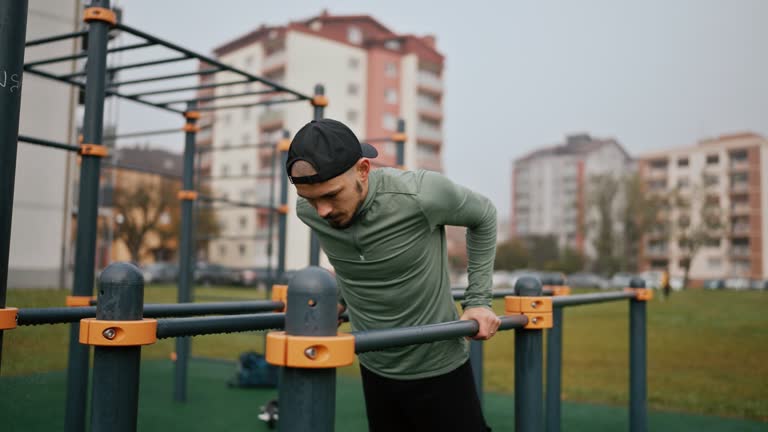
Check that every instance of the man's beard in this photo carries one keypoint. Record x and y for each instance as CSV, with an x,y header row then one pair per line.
x,y
333,224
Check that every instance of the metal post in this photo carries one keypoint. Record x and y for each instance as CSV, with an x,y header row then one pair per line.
x,y
476,360
554,371
115,394
638,415
271,223
319,103
308,396
282,221
400,144
186,264
87,208
528,366
13,30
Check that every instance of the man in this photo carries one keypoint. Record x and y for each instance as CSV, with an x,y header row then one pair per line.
x,y
383,232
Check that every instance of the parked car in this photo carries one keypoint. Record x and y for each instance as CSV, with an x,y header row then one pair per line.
x,y
760,284
714,284
620,280
215,274
160,272
254,276
737,283
652,279
587,280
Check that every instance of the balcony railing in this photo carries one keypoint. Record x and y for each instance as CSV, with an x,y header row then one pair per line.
x,y
429,133
270,117
430,81
657,251
433,109
740,209
739,165
740,229
274,60
740,251
740,187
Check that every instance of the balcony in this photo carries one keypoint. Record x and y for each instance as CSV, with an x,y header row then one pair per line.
x,y
657,251
429,133
740,209
739,165
739,187
429,164
271,119
429,81
430,110
657,173
740,229
740,251
273,62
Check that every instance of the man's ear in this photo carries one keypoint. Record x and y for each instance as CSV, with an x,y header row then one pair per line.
x,y
363,169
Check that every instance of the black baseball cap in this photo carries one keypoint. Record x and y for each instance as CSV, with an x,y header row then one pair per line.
x,y
330,147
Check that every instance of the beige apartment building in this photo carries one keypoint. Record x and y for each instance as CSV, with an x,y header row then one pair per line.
x,y
372,77
730,172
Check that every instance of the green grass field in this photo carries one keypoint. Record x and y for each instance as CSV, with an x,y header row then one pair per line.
x,y
707,350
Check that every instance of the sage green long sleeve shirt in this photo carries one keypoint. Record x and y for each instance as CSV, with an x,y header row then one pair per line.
x,y
392,263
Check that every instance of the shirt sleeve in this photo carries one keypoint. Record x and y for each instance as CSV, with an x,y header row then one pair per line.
x,y
446,203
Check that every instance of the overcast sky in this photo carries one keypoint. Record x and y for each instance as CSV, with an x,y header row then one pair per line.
x,y
523,74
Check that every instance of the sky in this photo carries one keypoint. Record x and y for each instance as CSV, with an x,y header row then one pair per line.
x,y
523,74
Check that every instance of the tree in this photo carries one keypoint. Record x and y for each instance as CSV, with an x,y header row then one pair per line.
x,y
142,208
511,255
604,190
206,226
638,215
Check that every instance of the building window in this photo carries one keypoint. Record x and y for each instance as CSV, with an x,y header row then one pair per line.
x,y
682,162
242,250
354,35
390,95
265,161
390,69
713,159
262,221
659,163
352,89
223,250
243,222
393,45
354,62
683,182
244,169
352,116
389,122
316,25
711,180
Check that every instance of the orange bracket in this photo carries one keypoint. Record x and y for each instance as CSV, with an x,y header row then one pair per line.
x,y
118,333
8,318
100,14
192,115
284,145
310,352
537,309
319,101
641,294
280,293
559,290
189,127
283,209
187,195
399,137
76,301
95,150
401,167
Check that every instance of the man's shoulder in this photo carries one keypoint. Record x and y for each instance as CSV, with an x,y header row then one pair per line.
x,y
397,181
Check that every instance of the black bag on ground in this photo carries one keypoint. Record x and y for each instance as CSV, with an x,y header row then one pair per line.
x,y
254,371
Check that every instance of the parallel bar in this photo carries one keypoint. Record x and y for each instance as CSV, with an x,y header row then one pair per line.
x,y
143,133
222,96
209,60
584,299
191,88
84,55
552,414
250,105
131,66
376,340
47,143
182,327
13,29
56,38
638,391
85,247
163,77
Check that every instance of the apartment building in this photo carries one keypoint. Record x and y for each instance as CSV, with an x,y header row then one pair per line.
x,y
550,187
372,77
729,172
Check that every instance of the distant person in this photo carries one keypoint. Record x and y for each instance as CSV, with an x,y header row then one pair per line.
x,y
665,287
384,233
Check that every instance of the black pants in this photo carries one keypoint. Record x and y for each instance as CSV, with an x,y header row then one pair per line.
x,y
443,403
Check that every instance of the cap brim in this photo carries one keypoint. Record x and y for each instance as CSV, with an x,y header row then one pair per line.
x,y
369,151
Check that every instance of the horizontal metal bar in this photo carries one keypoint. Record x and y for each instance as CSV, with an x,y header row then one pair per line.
x,y
209,60
224,96
191,88
168,328
163,77
231,202
136,168
55,38
46,143
237,147
583,299
131,66
85,54
373,140
264,103
376,340
143,134
61,315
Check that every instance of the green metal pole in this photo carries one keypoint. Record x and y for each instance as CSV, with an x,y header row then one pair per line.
x,y
314,242
186,257
308,396
528,367
282,221
638,390
87,209
554,371
400,144
115,393
476,360
13,30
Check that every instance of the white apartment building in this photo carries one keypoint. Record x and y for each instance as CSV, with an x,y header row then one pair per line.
x,y
42,207
550,188
730,171
372,76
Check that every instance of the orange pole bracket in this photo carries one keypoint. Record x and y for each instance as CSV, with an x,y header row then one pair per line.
x,y
189,195
8,318
641,294
310,352
188,127
284,145
95,150
399,137
192,115
118,333
319,101
283,209
559,290
77,301
280,293
100,14
537,309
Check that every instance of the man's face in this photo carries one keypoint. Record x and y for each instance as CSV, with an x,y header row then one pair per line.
x,y
336,200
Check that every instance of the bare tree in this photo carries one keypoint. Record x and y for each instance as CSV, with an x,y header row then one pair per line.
x,y
638,215
604,190
142,208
